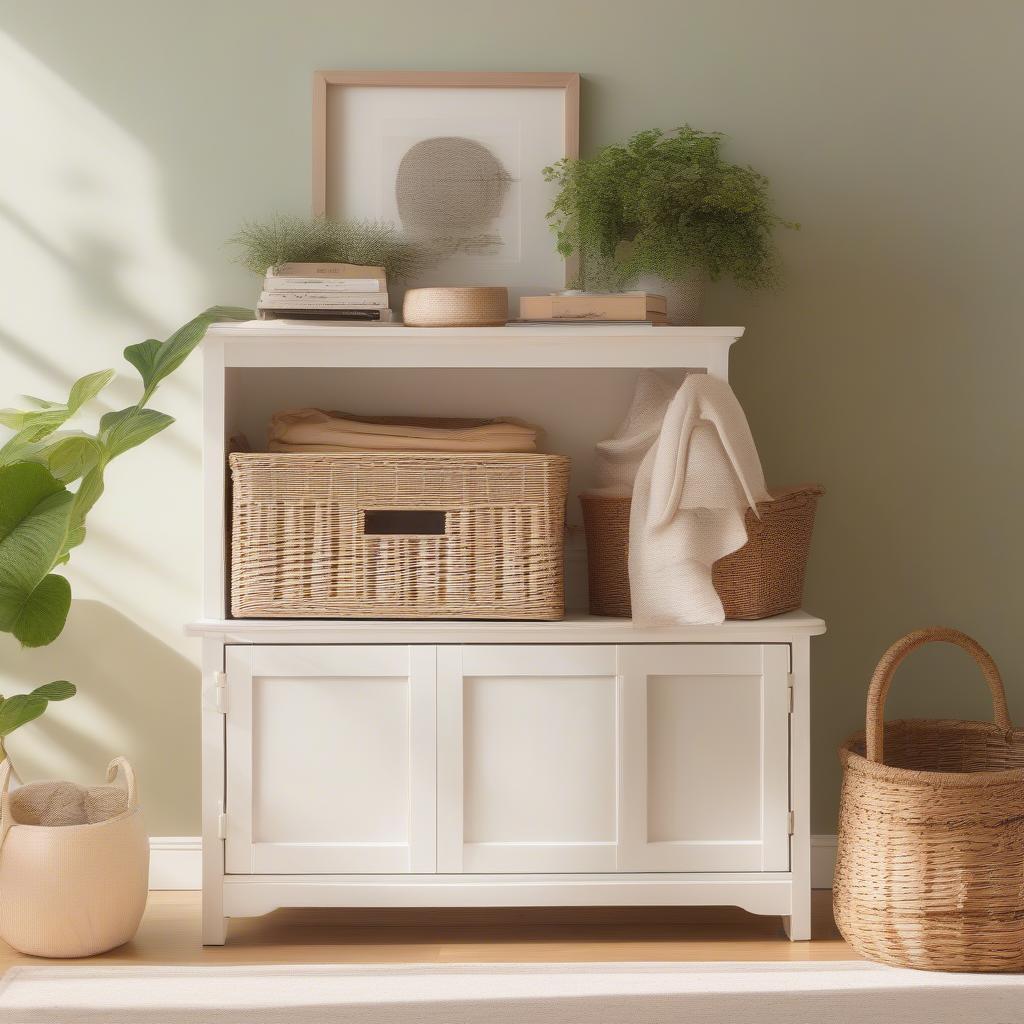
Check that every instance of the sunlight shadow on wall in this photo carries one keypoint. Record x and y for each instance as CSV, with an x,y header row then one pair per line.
x,y
89,265
137,697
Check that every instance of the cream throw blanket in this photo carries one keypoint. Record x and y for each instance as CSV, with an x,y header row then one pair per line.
x,y
694,471
313,430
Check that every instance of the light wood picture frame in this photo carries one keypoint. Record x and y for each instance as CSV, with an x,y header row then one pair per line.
x,y
454,158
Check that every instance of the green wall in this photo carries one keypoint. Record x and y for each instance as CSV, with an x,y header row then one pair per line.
x,y
138,134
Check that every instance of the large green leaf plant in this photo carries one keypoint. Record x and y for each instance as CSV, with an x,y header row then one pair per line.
x,y
50,478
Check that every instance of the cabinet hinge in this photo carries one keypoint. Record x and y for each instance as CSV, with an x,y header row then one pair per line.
x,y
790,822
219,693
790,691
222,826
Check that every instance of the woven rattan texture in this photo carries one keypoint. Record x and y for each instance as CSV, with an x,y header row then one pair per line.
x,y
455,307
299,546
930,861
765,577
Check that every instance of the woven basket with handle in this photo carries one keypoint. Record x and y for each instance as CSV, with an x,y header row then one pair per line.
x,y
930,864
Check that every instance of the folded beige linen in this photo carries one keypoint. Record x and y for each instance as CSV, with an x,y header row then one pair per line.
x,y
314,430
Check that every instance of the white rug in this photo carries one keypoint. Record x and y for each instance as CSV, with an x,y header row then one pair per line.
x,y
693,993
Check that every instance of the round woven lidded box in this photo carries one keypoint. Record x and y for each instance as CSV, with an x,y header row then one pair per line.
x,y
455,307
765,577
930,860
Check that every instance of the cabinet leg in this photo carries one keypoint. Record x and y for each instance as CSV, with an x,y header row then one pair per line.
x,y
797,926
215,930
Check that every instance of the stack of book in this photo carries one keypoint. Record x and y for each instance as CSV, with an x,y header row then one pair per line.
x,y
324,291
594,307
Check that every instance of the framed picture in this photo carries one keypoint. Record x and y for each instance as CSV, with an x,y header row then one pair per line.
x,y
453,158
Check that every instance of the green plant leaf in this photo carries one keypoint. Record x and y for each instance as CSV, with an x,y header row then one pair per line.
x,y
42,613
23,487
59,689
155,359
34,512
86,388
71,456
43,421
143,357
16,711
128,428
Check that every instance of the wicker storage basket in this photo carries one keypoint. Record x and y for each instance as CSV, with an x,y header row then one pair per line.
x,y
398,536
930,864
765,577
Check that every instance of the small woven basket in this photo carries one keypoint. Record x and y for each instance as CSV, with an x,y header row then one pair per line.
x,y
765,577
930,863
455,307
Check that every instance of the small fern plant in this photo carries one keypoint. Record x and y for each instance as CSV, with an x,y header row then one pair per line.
x,y
666,204
288,239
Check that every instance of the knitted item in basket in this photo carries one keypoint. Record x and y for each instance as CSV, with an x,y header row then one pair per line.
x,y
765,577
930,860
71,888
65,803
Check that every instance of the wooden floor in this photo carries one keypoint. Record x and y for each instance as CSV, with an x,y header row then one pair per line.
x,y
170,935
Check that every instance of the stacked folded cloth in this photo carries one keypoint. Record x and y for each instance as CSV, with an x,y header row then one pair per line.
x,y
313,430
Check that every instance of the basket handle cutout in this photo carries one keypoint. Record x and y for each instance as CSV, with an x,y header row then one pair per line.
x,y
886,669
408,522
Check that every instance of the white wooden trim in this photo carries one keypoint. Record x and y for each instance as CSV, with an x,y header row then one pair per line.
x,y
282,343
759,892
212,728
176,862
775,803
576,628
798,926
422,662
214,479
239,846
449,759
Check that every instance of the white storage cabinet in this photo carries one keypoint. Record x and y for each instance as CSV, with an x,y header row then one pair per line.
x,y
448,763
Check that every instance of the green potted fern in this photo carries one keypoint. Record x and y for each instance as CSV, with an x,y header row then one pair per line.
x,y
664,212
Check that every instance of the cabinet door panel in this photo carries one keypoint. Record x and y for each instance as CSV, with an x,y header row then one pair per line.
x,y
705,749
526,759
330,759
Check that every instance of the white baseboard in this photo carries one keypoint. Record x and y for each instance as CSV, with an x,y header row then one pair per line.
x,y
176,862
823,861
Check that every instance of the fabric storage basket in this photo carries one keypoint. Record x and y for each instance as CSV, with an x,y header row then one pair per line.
x,y
72,890
404,536
930,862
765,577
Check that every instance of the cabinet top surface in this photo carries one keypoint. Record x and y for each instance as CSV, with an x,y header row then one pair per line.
x,y
574,629
304,343
252,330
